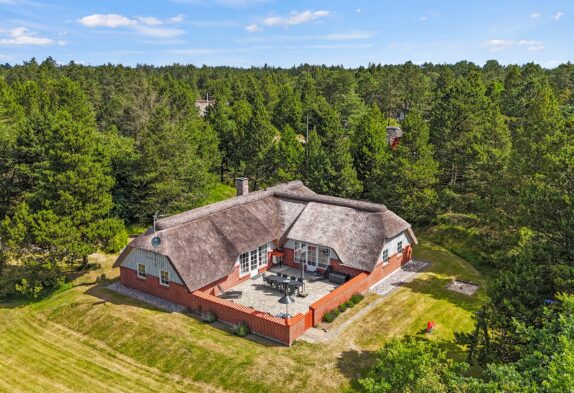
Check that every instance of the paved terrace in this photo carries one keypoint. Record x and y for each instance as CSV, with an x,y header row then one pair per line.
x,y
261,297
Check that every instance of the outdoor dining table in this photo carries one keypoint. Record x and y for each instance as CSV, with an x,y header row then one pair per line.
x,y
296,284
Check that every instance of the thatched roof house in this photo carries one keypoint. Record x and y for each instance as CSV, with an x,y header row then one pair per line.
x,y
204,244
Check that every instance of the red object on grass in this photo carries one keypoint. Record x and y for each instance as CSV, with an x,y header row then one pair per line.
x,y
430,326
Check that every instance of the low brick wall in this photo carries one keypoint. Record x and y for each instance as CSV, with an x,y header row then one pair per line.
x,y
339,296
175,293
358,284
279,329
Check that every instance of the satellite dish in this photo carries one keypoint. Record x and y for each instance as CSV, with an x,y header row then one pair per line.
x,y
155,242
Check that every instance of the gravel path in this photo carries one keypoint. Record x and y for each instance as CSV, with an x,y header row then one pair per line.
x,y
402,275
144,297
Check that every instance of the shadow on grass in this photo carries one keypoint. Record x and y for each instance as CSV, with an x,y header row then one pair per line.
x,y
355,364
106,295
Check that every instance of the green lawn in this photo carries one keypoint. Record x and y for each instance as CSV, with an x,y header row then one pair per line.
x,y
88,338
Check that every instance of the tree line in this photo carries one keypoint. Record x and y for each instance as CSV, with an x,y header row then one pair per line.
x,y
487,154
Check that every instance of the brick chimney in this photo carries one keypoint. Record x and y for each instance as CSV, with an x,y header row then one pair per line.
x,y
242,186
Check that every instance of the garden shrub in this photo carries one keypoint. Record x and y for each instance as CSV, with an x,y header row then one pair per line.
x,y
342,307
241,329
357,298
330,316
208,317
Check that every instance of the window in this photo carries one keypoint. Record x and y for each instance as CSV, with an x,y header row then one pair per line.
x,y
385,256
263,256
244,263
311,255
164,278
400,246
141,270
253,259
323,258
300,252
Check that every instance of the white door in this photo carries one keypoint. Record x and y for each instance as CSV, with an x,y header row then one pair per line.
x,y
311,264
253,263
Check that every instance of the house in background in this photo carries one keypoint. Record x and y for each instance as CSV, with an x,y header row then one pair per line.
x,y
394,135
222,246
202,105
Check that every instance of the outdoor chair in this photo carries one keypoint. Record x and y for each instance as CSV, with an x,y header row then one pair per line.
x,y
229,294
328,271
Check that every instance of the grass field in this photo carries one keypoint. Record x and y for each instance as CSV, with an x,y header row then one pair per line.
x,y
88,338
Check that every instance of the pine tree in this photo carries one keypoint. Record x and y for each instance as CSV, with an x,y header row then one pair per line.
x,y
406,182
258,147
174,160
315,166
63,182
288,156
370,149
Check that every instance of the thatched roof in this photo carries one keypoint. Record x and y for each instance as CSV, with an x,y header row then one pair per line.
x,y
203,244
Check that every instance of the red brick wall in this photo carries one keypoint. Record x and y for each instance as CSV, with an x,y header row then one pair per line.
x,y
358,284
339,296
279,329
283,330
175,293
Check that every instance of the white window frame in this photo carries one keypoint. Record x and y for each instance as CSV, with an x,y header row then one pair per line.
x,y
385,256
312,255
400,246
300,252
163,282
144,271
322,253
263,256
244,263
253,260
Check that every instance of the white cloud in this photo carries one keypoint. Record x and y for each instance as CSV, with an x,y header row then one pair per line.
x,y
150,21
535,15
558,15
532,45
423,18
498,45
176,19
145,25
295,18
252,28
107,20
23,36
159,32
358,10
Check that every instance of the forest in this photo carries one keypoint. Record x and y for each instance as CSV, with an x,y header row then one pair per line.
x,y
486,163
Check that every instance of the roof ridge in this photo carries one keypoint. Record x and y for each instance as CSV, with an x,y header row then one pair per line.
x,y
331,200
208,210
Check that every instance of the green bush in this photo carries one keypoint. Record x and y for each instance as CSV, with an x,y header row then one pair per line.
x,y
349,304
241,329
357,298
330,316
343,307
208,317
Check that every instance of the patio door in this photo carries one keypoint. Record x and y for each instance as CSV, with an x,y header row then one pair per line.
x,y
253,266
311,263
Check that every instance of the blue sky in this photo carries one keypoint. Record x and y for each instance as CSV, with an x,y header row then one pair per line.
x,y
285,33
